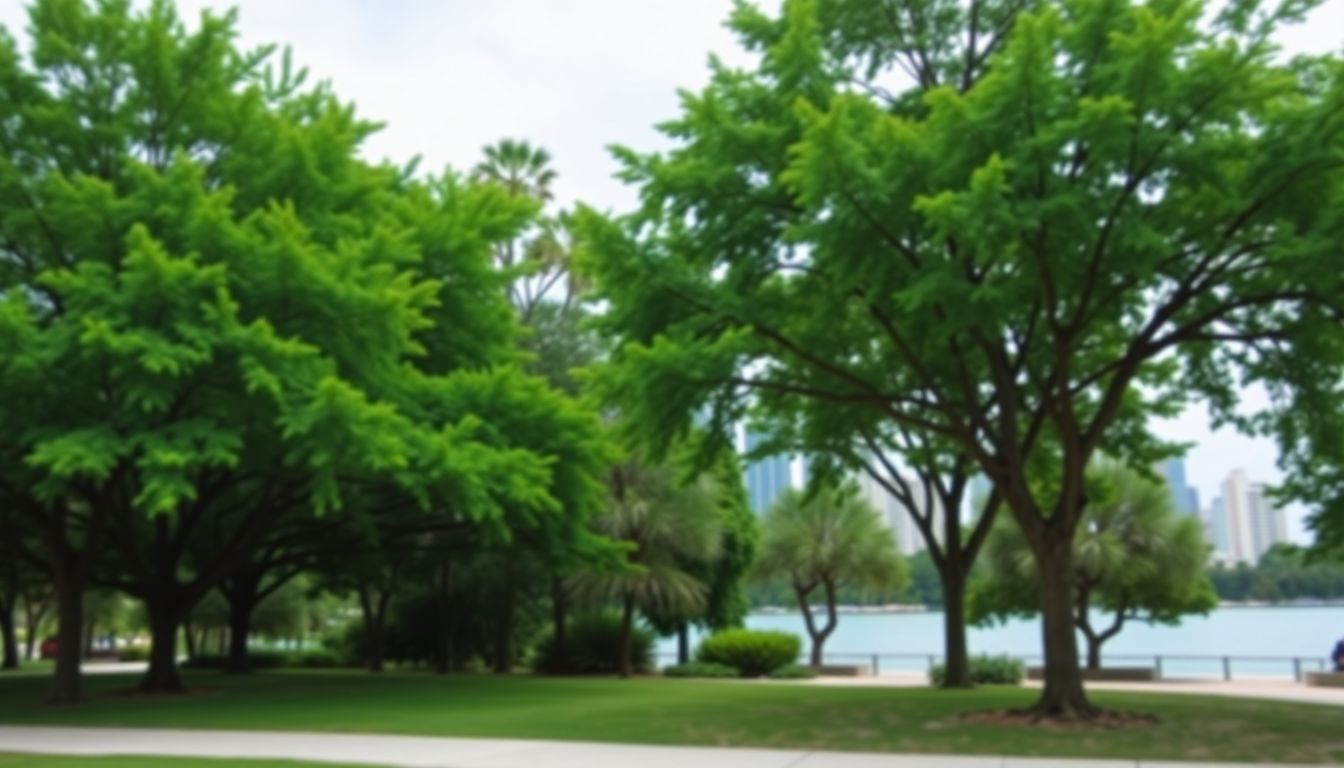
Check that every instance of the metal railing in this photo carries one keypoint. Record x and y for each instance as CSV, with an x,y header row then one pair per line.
x,y
1222,665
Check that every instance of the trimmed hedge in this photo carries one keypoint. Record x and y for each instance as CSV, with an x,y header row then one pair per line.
x,y
701,669
754,653
133,653
255,660
793,672
593,647
320,659
986,670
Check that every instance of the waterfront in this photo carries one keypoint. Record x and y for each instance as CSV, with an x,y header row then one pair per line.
x,y
1271,631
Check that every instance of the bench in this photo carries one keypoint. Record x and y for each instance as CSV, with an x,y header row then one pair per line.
x,y
1325,679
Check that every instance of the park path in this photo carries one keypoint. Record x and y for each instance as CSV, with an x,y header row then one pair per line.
x,y
427,752
1246,688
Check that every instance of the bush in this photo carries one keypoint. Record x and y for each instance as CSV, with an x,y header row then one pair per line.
x,y
593,647
133,653
986,670
701,669
793,672
323,659
752,652
255,660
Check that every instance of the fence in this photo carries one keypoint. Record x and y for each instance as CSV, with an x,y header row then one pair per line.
x,y
1168,665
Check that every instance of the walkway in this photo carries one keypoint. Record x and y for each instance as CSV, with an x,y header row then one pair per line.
x,y
423,752
1252,688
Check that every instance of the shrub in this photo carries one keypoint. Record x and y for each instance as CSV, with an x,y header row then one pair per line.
x,y
793,672
255,660
322,659
133,653
701,669
593,647
753,653
986,670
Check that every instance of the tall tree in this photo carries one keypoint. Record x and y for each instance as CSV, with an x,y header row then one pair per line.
x,y
1067,216
822,542
1134,559
249,321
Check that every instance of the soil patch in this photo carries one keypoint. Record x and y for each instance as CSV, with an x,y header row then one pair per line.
x,y
1104,720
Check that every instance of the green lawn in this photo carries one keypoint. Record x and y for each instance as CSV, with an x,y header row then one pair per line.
x,y
9,760
659,711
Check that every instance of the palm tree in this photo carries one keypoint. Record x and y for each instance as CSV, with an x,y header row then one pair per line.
x,y
825,541
665,523
1134,558
519,167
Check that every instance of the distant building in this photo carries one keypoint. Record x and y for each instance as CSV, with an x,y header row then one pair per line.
x,y
770,476
1183,498
896,516
1243,523
1215,526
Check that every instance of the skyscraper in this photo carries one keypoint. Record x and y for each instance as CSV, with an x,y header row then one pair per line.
x,y
895,516
1183,498
1251,522
768,477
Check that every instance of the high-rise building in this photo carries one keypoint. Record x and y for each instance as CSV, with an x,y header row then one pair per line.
x,y
1216,526
1246,520
770,476
896,516
1183,498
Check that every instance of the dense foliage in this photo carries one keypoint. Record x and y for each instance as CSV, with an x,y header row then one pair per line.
x,y
753,653
986,670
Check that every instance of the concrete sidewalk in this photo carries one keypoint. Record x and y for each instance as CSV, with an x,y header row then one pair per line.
x,y
426,752
1246,688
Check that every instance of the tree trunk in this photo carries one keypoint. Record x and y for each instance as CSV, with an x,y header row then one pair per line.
x,y
89,630
956,656
34,611
240,629
374,609
8,636
504,631
1093,652
559,609
445,623
65,682
627,624
1063,695
683,643
189,635
165,618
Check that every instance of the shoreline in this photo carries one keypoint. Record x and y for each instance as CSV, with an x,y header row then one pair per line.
x,y
903,608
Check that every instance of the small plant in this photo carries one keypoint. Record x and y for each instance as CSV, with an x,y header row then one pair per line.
x,y
255,660
593,647
133,653
986,670
754,653
793,672
701,669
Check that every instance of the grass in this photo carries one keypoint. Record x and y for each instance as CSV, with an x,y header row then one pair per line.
x,y
704,712
10,760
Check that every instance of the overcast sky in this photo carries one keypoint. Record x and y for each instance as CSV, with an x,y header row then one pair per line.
x,y
450,76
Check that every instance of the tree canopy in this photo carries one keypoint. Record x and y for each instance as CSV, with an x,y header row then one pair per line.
x,y
1019,229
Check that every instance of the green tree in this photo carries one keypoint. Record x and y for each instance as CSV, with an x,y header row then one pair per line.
x,y
1134,558
822,542
1068,216
249,322
665,521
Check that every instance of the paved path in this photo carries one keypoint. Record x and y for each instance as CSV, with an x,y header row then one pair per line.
x,y
1246,688
425,752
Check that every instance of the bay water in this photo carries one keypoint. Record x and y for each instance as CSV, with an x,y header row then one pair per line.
x,y
1259,641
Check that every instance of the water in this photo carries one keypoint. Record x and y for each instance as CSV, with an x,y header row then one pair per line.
x,y
1281,632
